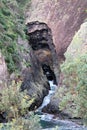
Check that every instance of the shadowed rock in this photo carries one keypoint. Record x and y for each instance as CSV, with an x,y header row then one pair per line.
x,y
42,51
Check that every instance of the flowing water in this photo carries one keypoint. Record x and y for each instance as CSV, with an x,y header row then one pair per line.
x,y
48,122
47,98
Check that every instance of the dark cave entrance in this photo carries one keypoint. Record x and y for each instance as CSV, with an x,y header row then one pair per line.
x,y
49,73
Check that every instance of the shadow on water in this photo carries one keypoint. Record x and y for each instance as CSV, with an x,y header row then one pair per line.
x,y
46,124
49,123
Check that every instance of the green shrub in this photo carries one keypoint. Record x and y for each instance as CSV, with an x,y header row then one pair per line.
x,y
74,89
6,12
18,102
11,21
15,104
32,123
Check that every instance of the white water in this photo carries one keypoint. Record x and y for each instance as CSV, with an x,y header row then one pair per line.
x,y
50,121
47,98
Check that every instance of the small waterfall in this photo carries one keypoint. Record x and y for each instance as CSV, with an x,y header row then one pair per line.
x,y
48,122
47,98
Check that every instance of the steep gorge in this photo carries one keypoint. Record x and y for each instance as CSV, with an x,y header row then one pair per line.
x,y
51,27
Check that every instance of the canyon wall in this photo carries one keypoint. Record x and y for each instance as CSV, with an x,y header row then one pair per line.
x,y
64,18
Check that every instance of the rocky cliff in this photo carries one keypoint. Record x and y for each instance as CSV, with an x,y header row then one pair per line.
x,y
43,67
64,18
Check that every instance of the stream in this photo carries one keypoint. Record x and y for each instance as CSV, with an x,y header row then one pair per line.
x,y
47,98
48,122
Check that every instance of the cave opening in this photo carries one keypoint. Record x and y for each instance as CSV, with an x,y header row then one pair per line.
x,y
38,39
49,73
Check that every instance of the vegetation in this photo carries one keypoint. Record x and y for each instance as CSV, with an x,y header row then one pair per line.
x,y
75,80
11,26
74,88
15,104
22,124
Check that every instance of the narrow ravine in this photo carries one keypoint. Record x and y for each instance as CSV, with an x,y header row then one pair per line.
x,y
44,53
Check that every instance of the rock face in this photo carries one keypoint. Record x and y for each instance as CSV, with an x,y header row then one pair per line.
x,y
78,45
3,82
35,82
40,39
64,18
3,72
42,56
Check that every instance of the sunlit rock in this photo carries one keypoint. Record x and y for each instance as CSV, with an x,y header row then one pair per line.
x,y
3,72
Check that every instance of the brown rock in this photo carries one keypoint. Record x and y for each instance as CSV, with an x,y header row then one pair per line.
x,y
42,52
44,56
40,39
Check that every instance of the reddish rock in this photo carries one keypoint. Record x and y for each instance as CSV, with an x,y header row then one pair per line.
x,y
64,17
